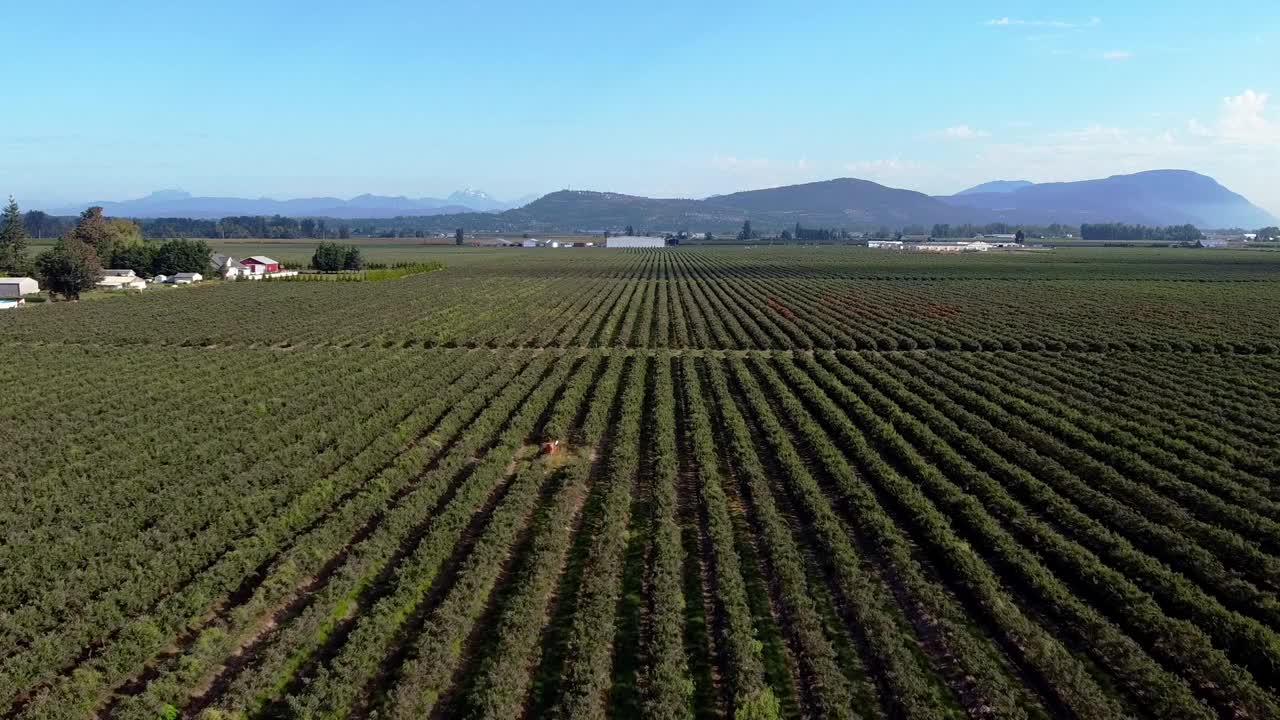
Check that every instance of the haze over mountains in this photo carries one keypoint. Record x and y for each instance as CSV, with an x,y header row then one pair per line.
x,y
178,203
1157,197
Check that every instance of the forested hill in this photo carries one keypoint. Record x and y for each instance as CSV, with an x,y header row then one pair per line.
x,y
1156,197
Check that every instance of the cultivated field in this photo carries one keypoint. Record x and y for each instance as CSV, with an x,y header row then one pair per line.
x,y
803,482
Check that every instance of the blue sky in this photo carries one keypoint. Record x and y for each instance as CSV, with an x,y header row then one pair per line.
x,y
288,99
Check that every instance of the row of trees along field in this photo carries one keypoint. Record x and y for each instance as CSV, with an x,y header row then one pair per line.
x,y
75,262
1120,231
946,230
42,225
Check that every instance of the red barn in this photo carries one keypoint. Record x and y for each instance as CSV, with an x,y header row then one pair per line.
x,y
259,264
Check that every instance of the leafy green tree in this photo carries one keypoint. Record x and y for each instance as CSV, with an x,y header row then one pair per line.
x,y
70,268
175,256
1019,237
351,259
37,223
706,236
629,231
138,258
92,229
457,236
344,232
1269,234
13,239
746,232
123,234
328,257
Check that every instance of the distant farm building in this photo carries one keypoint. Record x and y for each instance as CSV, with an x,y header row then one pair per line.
x,y
228,268
942,247
261,264
186,278
121,280
529,243
13,288
635,241
257,267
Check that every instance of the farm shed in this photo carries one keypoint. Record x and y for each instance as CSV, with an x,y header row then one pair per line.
x,y
529,243
186,278
16,287
121,280
635,241
259,264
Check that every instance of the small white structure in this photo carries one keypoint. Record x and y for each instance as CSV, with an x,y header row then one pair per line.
x,y
13,288
529,243
11,304
885,244
635,241
121,280
186,278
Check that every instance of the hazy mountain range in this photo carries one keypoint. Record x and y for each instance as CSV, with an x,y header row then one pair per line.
x,y
1157,197
179,203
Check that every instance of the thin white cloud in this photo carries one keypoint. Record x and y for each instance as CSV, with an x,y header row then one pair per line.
x,y
960,132
1117,55
882,167
1059,24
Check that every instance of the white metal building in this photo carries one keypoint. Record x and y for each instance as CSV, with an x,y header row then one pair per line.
x,y
125,279
16,287
635,241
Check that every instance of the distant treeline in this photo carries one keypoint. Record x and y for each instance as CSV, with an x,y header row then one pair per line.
x,y
968,230
43,225
1121,231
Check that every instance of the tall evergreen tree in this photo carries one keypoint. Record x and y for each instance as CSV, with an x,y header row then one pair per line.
x,y
13,238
